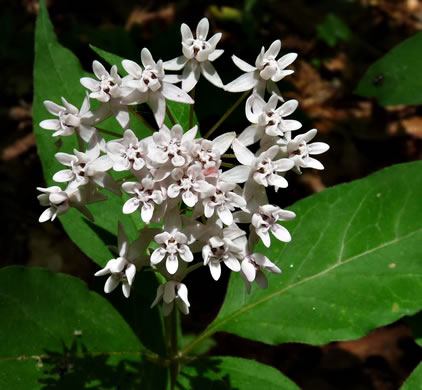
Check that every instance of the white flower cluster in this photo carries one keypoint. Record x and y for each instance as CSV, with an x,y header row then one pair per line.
x,y
176,178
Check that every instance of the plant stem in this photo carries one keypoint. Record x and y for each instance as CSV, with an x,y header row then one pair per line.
x,y
227,165
192,109
117,135
81,144
141,118
228,156
193,268
173,346
227,113
170,115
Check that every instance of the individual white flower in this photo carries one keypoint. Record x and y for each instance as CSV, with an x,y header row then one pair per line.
x,y
131,256
85,167
151,85
268,119
228,249
170,292
299,149
198,52
59,201
262,169
172,246
107,90
146,196
70,119
128,152
208,152
252,267
190,183
223,200
265,221
172,145
266,72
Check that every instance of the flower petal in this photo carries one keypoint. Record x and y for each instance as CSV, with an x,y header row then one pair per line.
x,y
211,74
242,65
243,83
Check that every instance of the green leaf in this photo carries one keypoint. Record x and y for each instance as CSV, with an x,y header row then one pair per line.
x,y
180,111
60,333
224,373
395,78
353,265
333,29
414,381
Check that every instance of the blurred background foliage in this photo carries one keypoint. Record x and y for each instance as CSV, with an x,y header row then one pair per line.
x,y
336,41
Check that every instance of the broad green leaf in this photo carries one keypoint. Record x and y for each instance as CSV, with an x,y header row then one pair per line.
x,y
56,331
224,373
414,382
395,78
180,111
353,265
56,73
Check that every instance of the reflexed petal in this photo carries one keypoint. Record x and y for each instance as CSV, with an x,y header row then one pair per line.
x,y
157,256
158,296
101,272
281,233
223,142
171,92
225,215
130,206
65,159
215,269
211,74
130,273
277,181
283,165
215,54
126,289
185,253
146,212
232,263
63,176
111,283
237,174
290,125
243,154
318,148
265,237
53,108
261,280
251,135
312,163
288,107
190,134
190,198
158,107
169,292
46,215
243,65
286,60
249,270
176,63
243,83
102,164
172,264
50,124
182,292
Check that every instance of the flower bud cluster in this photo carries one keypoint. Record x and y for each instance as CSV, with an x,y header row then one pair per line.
x,y
178,179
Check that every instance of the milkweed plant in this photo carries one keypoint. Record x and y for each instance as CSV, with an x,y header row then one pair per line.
x,y
197,198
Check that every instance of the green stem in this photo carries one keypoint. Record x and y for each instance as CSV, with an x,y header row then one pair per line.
x,y
170,115
192,109
227,113
173,346
112,133
228,156
141,118
193,268
227,165
81,144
